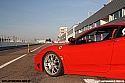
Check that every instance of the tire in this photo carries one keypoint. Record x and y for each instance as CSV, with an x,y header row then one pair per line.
x,y
52,65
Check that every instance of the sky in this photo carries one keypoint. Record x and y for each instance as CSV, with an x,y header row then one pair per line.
x,y
41,19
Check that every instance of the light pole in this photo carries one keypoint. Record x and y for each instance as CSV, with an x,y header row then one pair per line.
x,y
110,1
90,13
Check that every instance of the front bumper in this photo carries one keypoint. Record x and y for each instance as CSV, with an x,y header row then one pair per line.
x,y
38,62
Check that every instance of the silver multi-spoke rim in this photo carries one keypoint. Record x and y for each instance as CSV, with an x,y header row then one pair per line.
x,y
51,64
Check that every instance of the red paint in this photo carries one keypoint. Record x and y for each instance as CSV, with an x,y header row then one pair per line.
x,y
105,58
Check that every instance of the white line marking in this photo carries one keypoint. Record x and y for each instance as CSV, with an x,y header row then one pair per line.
x,y
17,58
12,61
91,81
103,81
36,48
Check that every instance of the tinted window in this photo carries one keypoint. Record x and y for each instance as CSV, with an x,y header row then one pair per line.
x,y
96,35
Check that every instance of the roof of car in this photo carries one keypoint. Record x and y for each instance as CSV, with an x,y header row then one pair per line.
x,y
111,24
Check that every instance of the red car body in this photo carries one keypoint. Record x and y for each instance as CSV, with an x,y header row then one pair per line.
x,y
104,58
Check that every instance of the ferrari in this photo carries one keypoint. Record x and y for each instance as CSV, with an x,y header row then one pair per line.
x,y
99,51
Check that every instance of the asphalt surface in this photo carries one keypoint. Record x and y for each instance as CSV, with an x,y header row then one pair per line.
x,y
23,71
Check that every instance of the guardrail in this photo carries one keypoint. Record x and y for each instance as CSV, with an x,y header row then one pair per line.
x,y
12,45
6,44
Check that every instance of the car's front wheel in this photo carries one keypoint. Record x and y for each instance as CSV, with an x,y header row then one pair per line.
x,y
52,64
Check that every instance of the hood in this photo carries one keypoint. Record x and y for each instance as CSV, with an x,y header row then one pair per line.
x,y
54,47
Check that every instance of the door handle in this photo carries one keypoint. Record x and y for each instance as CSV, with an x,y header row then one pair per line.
x,y
115,40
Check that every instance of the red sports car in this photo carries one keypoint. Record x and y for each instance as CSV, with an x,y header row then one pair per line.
x,y
99,51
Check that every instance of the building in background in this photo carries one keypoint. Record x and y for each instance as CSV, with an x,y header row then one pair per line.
x,y
6,41
40,40
62,34
71,31
110,13
65,34
113,12
4,38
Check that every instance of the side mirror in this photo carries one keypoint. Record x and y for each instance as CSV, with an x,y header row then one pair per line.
x,y
71,39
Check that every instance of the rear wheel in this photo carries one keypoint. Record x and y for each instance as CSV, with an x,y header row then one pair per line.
x,y
52,64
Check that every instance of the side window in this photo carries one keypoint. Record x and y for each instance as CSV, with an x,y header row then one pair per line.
x,y
121,32
96,35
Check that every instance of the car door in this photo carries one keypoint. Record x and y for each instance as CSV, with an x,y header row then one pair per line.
x,y
118,59
92,56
